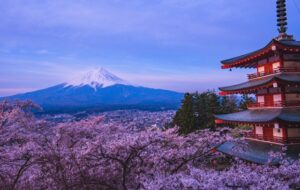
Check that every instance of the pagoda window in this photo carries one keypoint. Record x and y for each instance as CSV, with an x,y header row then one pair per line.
x,y
261,69
277,97
259,130
276,66
277,132
260,99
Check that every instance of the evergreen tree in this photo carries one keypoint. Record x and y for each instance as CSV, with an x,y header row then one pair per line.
x,y
208,105
228,105
245,101
185,117
197,110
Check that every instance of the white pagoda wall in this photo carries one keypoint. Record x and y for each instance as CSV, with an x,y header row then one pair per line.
x,y
277,132
259,130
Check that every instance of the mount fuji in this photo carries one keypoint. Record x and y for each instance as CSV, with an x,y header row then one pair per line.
x,y
98,78
100,90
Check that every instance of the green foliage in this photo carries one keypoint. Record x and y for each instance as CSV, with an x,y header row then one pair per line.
x,y
228,104
197,110
185,115
245,127
206,104
246,100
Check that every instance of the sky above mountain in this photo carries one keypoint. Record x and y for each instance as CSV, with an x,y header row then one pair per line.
x,y
171,44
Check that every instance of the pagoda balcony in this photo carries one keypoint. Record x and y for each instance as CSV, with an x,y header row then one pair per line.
x,y
269,138
275,71
276,104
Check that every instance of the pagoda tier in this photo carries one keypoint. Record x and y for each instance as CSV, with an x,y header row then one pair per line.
x,y
275,116
270,82
279,126
276,82
288,115
275,51
257,152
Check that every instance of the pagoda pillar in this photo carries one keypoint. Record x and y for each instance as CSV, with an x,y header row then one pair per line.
x,y
283,95
281,61
284,135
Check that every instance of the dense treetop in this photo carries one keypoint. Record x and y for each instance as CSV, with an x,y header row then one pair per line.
x,y
86,154
197,110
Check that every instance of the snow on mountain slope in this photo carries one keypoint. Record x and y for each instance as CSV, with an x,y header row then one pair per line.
x,y
100,90
96,79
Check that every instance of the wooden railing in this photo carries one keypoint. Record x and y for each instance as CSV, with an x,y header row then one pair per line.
x,y
289,69
275,71
281,140
275,104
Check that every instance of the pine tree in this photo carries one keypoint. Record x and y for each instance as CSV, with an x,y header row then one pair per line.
x,y
228,104
185,117
209,105
246,100
197,110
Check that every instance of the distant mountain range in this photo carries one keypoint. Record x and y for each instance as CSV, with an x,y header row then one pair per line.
x,y
100,90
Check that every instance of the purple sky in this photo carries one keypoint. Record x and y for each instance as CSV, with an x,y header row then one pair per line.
x,y
171,44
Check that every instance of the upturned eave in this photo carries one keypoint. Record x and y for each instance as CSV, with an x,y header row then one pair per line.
x,y
253,85
250,60
289,115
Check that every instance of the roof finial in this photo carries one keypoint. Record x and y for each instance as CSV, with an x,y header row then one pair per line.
x,y
281,16
282,21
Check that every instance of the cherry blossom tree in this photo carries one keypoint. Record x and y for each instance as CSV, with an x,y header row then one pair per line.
x,y
87,154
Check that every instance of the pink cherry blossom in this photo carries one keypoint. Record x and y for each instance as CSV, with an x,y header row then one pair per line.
x,y
88,154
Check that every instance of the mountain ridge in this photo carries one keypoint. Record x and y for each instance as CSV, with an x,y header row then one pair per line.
x,y
103,92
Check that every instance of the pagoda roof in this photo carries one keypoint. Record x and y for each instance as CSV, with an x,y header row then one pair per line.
x,y
263,115
289,78
257,152
250,60
252,151
290,43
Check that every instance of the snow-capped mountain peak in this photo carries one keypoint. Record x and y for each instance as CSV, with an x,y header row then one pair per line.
x,y
97,78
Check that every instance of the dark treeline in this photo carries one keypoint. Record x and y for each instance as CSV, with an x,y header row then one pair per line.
x,y
198,109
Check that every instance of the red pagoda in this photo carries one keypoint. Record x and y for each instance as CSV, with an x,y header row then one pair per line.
x,y
275,116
